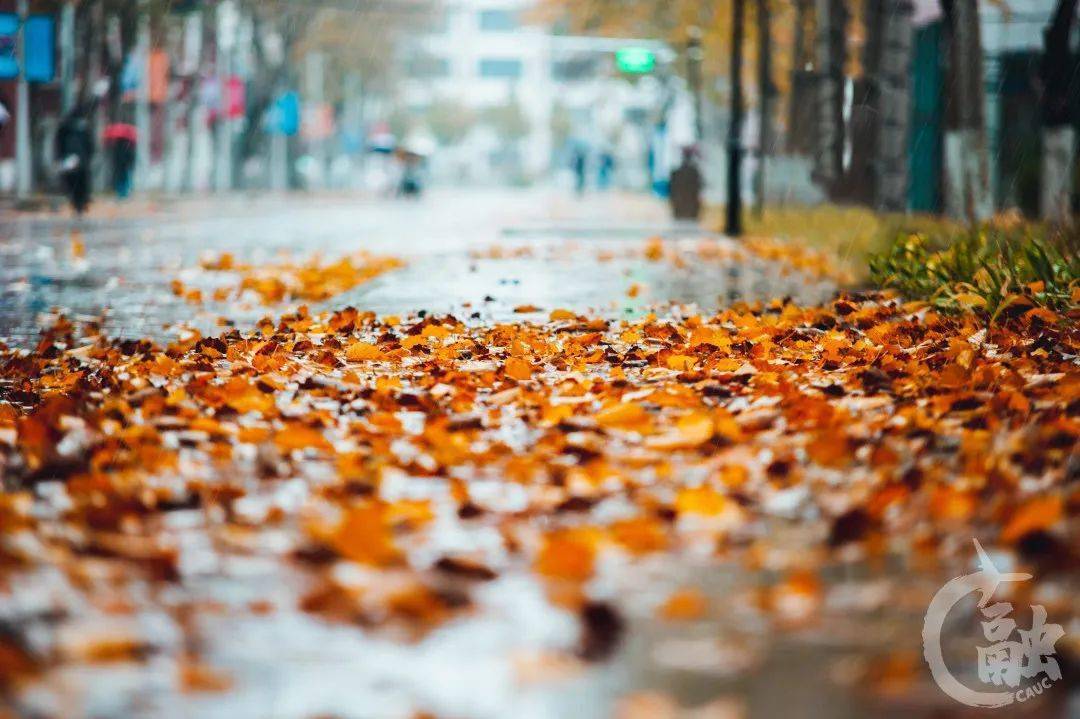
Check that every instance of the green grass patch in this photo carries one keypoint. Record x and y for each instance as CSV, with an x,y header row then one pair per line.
x,y
1006,265
850,236
988,269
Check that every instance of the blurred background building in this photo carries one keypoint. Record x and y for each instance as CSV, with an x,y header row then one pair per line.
x,y
510,98
954,106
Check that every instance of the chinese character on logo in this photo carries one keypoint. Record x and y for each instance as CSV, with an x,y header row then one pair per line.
x,y
1007,662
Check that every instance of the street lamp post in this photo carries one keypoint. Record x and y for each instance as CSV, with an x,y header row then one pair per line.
x,y
733,226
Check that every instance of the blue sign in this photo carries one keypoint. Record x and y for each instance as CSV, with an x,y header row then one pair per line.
x,y
40,48
285,115
9,46
40,39
131,73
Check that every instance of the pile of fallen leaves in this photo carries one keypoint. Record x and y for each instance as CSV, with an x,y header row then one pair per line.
x,y
878,427
312,280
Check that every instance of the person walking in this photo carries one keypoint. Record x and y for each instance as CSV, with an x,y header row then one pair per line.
x,y
686,186
5,115
74,152
606,170
122,139
580,164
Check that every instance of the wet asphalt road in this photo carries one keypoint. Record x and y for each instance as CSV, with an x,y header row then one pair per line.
x,y
578,258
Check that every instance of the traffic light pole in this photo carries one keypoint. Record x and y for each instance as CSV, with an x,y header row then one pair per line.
x,y
733,226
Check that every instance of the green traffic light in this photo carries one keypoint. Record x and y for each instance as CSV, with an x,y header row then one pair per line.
x,y
635,60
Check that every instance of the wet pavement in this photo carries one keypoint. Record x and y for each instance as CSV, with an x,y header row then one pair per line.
x,y
553,251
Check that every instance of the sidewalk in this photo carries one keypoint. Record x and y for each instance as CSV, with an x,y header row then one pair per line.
x,y
124,257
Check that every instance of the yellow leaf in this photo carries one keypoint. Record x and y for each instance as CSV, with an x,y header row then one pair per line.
x,y
970,300
557,315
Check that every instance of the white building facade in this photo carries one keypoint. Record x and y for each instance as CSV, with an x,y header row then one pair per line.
x,y
490,54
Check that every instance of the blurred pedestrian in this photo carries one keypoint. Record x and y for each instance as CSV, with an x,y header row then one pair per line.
x,y
122,139
411,185
580,163
74,152
605,170
5,115
686,186
658,164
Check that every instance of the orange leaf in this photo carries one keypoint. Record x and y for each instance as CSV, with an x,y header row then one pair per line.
x,y
681,363
299,436
518,369
690,431
1036,514
640,535
363,352
568,555
700,500
684,605
364,536
622,415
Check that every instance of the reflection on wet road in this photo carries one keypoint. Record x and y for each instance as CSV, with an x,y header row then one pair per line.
x,y
127,266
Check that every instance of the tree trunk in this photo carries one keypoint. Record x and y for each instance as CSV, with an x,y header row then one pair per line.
x,y
1059,139
860,177
802,100
253,140
967,165
894,94
831,52
765,92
